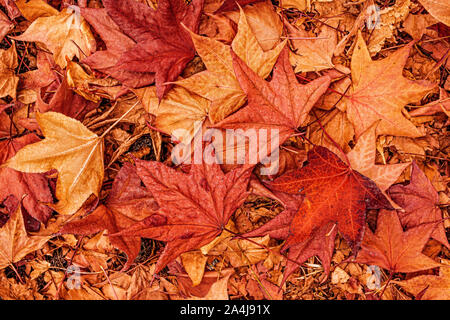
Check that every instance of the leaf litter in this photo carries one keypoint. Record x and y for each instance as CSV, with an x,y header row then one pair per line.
x,y
100,100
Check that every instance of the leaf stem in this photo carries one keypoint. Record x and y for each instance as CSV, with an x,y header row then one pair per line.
x,y
118,120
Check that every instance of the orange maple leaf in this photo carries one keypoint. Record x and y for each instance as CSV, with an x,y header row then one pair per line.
x,y
392,249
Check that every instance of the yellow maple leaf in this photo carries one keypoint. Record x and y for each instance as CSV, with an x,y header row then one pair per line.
x,y
66,34
15,243
8,78
33,9
218,83
180,113
73,150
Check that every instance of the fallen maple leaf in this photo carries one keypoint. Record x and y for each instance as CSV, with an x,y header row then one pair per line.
x,y
5,25
362,159
333,193
117,43
66,35
395,250
33,9
379,92
179,109
420,202
312,54
8,78
163,45
320,243
127,203
218,83
429,287
73,150
31,189
194,207
264,22
438,9
281,104
335,199
15,243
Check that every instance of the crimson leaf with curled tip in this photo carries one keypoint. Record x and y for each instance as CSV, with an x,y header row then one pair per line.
x,y
67,102
117,43
333,194
127,203
163,45
194,207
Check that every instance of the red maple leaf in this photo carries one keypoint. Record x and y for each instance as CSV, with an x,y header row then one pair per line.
x,y
279,106
194,207
117,43
335,198
163,46
420,201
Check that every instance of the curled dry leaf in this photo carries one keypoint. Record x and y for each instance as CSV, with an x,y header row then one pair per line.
x,y
65,35
66,102
8,78
15,243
